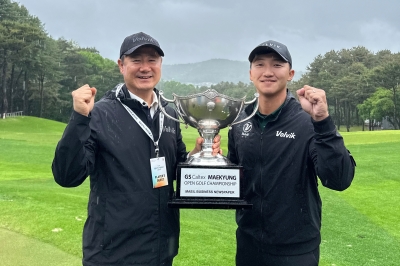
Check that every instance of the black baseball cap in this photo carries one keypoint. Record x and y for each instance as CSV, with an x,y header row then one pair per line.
x,y
272,46
134,41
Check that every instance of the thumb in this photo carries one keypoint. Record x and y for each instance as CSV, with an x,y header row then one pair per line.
x,y
301,96
300,93
94,91
199,141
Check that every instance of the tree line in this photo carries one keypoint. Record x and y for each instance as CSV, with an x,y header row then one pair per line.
x,y
360,85
38,74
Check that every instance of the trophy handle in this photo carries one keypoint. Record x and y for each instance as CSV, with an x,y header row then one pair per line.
x,y
252,114
161,96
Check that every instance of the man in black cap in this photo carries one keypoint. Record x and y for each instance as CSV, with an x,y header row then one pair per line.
x,y
283,149
130,150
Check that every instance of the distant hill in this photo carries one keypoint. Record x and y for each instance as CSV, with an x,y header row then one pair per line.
x,y
210,72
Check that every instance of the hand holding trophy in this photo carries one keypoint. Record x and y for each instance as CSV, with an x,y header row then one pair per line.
x,y
204,180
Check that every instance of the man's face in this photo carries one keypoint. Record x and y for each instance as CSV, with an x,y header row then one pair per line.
x,y
270,74
141,69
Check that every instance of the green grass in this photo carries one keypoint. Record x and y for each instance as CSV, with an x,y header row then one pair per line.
x,y
360,225
15,245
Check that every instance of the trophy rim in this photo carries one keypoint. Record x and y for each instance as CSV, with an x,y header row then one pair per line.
x,y
210,94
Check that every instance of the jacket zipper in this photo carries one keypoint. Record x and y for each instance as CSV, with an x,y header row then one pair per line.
x,y
261,187
159,198
159,227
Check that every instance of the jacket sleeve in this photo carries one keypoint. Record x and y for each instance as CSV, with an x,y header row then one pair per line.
x,y
333,163
181,147
75,153
231,147
181,153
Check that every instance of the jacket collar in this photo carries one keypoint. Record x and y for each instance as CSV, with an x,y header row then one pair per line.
x,y
120,91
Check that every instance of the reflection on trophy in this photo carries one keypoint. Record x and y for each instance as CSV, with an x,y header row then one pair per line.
x,y
204,180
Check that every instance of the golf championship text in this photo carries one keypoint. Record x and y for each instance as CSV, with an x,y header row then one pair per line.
x,y
200,182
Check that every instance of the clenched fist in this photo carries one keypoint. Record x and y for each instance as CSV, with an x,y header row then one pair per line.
x,y
313,101
83,99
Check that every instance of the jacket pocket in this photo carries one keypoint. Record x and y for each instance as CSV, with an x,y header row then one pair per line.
x,y
93,232
130,223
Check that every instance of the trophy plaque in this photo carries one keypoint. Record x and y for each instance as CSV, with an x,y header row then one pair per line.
x,y
205,181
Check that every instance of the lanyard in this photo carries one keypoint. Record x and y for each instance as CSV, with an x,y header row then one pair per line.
x,y
143,125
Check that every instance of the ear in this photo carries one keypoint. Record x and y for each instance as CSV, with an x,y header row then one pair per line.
x,y
291,74
251,79
121,66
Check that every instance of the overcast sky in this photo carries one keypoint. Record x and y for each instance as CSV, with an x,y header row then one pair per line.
x,y
192,31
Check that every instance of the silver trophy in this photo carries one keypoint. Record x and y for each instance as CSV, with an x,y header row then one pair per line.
x,y
204,180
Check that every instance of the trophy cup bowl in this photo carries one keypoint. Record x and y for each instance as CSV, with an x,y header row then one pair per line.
x,y
208,112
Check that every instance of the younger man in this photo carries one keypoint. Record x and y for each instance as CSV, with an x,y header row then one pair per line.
x,y
283,149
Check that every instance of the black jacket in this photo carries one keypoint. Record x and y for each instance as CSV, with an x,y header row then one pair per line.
x,y
129,222
281,164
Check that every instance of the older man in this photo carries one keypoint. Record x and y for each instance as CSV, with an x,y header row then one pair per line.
x,y
121,141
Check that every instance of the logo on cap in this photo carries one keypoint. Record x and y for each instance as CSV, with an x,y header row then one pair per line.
x,y
138,39
134,41
277,47
270,44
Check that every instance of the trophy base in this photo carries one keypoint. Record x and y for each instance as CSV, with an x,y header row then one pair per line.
x,y
209,204
209,187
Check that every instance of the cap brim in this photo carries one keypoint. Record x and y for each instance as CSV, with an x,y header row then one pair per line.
x,y
264,49
158,49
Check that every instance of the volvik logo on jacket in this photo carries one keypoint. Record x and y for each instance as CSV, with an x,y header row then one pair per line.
x,y
169,129
285,135
247,128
